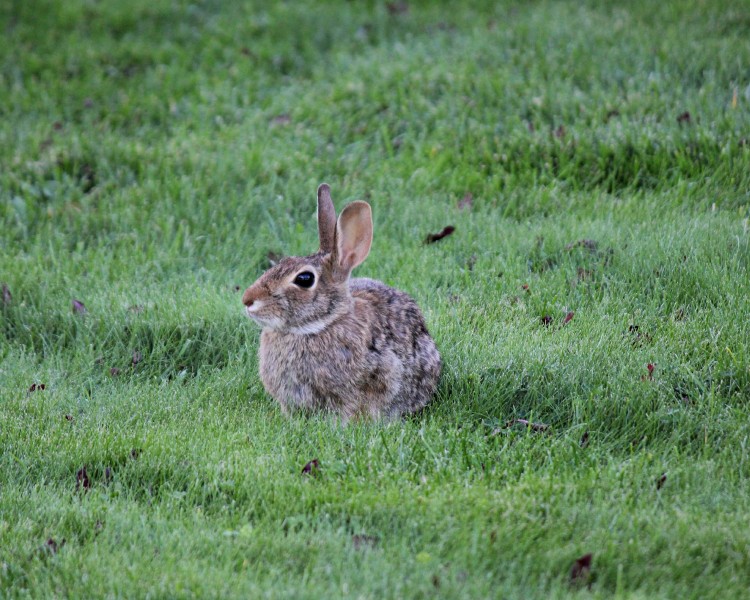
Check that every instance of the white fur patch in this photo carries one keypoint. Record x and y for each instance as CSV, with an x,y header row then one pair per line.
x,y
265,322
249,310
312,327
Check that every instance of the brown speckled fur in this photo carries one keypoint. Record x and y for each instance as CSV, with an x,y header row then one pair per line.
x,y
355,347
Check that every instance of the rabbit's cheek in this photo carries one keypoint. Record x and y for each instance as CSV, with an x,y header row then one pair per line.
x,y
272,323
253,308
268,320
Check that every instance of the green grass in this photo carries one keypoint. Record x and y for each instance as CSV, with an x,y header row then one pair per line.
x,y
154,153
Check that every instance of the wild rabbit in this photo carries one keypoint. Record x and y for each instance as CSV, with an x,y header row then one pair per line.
x,y
354,347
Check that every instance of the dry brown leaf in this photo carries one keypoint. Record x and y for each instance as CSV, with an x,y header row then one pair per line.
x,y
312,467
397,8
466,202
591,245
580,572
82,479
435,237
364,542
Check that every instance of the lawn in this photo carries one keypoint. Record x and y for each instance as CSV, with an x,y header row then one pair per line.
x,y
591,306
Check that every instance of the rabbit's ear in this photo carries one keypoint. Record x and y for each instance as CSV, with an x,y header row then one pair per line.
x,y
326,219
353,235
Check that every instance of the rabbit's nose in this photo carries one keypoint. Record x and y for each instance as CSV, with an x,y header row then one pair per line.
x,y
247,297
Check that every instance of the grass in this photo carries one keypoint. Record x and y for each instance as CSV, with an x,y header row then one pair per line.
x,y
153,155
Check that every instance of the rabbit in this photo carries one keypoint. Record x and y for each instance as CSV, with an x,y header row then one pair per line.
x,y
353,347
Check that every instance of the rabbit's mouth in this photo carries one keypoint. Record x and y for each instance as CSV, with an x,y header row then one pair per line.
x,y
269,321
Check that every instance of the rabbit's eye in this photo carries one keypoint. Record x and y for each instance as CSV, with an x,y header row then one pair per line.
x,y
304,279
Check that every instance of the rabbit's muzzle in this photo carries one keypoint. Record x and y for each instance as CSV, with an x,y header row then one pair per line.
x,y
249,297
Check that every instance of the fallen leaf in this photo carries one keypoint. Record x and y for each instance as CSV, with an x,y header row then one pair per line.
x,y
525,423
82,479
137,357
591,245
7,296
638,338
546,320
650,367
580,572
584,439
282,119
397,8
568,317
533,426
611,114
69,418
311,468
634,331
52,546
525,288
661,481
435,237
79,307
86,177
683,118
364,542
466,202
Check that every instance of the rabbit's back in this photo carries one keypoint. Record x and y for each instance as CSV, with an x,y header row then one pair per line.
x,y
398,334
